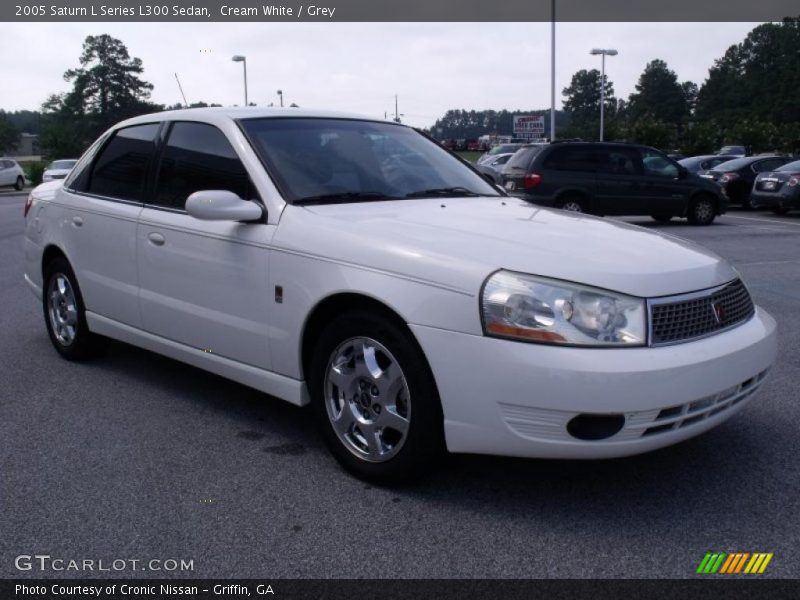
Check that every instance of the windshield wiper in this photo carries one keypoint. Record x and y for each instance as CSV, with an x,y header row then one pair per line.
x,y
343,197
445,191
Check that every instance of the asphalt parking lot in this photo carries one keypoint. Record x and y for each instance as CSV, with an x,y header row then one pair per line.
x,y
135,456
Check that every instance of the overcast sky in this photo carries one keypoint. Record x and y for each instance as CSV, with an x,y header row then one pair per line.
x,y
358,67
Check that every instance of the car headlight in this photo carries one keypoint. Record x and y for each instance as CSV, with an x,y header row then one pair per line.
x,y
538,309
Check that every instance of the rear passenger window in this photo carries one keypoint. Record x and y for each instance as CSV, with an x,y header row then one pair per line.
x,y
623,161
769,165
572,159
197,157
523,157
120,170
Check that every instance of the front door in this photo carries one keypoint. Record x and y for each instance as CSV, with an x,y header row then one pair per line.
x,y
203,283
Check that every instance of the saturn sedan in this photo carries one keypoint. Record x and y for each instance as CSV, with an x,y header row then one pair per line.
x,y
355,266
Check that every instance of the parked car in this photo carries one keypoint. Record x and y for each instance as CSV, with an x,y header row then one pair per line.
x,y
611,179
412,304
58,169
733,151
778,190
695,164
11,174
736,177
497,151
473,145
494,168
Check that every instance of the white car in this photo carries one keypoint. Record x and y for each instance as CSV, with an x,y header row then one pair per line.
x,y
58,169
11,174
356,266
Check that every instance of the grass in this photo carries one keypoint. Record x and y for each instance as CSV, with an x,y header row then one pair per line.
x,y
470,156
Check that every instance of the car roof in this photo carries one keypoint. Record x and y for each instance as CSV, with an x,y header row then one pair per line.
x,y
219,115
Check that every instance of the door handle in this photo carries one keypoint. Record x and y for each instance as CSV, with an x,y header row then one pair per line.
x,y
156,239
77,221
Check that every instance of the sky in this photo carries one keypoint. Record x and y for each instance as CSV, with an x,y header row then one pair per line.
x,y
359,67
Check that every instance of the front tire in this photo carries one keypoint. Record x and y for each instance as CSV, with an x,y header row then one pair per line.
x,y
374,398
780,210
702,211
65,314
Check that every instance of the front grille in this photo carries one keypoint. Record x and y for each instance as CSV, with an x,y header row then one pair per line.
x,y
698,315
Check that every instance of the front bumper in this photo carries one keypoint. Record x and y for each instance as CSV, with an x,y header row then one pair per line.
x,y
515,399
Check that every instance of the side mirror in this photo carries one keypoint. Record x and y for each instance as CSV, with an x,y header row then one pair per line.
x,y
222,205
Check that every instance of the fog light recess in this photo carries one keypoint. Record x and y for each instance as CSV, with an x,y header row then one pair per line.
x,y
595,427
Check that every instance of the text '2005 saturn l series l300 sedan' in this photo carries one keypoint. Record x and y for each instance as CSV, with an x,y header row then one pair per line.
x,y
357,266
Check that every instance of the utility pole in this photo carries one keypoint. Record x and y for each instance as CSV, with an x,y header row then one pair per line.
x,y
180,87
553,71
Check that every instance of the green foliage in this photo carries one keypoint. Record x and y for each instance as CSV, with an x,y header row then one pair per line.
x,y
582,103
106,89
34,171
757,79
9,135
652,131
659,95
701,138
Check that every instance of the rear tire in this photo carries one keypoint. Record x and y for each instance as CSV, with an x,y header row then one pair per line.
x,y
702,211
65,314
780,210
374,399
19,183
572,204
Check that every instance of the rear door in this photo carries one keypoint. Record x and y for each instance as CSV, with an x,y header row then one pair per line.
x,y
619,180
99,208
203,283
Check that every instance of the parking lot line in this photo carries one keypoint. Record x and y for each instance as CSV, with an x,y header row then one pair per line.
x,y
771,221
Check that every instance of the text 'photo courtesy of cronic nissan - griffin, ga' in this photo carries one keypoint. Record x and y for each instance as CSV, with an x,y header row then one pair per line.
x,y
357,266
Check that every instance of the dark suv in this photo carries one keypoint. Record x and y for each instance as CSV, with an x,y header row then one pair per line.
x,y
611,179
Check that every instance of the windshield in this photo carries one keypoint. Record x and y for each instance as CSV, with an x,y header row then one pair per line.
x,y
732,150
792,166
504,149
62,164
343,160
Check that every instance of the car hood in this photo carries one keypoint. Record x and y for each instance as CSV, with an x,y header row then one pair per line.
x,y
458,242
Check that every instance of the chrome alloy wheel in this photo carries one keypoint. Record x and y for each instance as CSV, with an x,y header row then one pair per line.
x,y
367,399
62,309
572,206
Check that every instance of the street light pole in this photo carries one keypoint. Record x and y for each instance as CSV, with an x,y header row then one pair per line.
x,y
603,52
243,60
280,95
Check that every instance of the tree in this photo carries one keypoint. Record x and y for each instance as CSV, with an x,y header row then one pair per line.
x,y
756,79
659,95
9,135
582,103
106,88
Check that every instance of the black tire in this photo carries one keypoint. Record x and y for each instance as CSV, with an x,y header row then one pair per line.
x,y
572,203
748,203
702,211
780,210
662,218
415,452
19,183
82,344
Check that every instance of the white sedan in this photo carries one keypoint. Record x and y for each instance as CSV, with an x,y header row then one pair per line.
x,y
356,266
58,169
11,174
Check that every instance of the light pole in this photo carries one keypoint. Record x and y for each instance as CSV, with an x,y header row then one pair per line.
x,y
280,95
553,71
603,52
243,60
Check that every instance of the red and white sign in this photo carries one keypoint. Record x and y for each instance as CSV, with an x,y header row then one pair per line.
x,y
528,126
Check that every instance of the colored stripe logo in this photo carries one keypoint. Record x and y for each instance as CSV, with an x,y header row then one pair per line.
x,y
737,562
